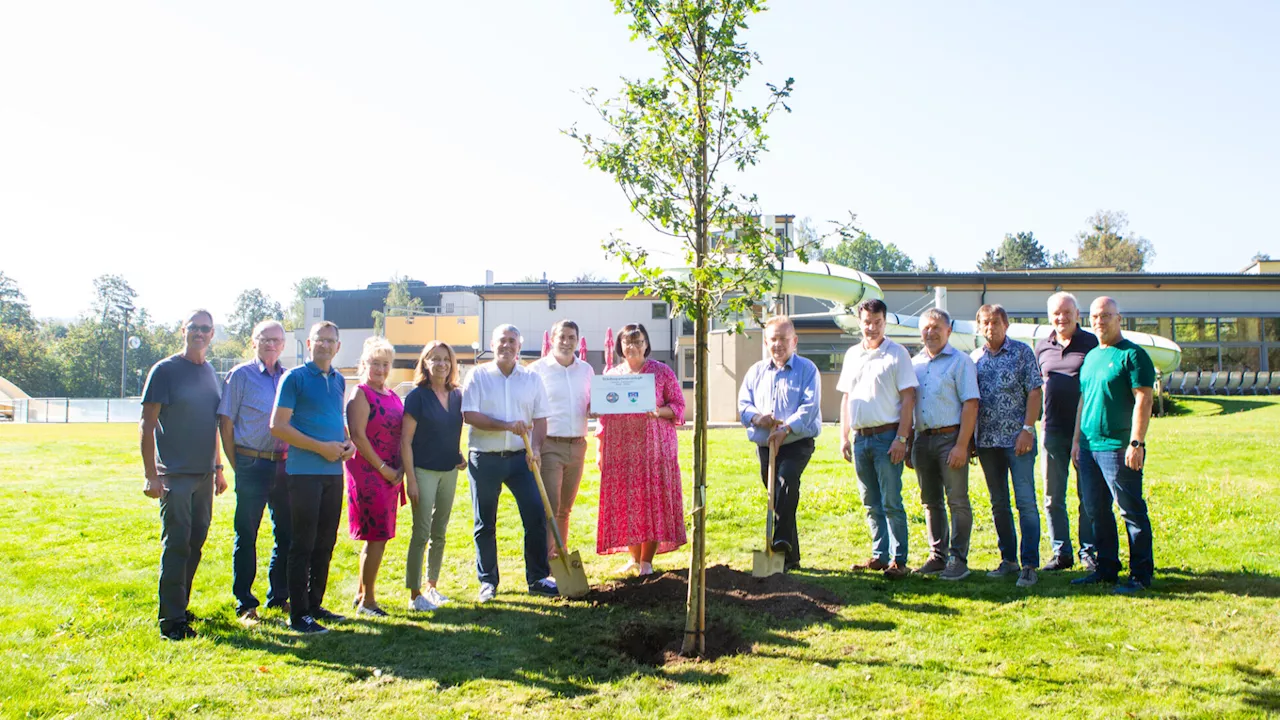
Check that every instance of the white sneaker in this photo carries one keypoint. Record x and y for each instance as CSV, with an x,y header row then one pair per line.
x,y
422,604
487,591
436,597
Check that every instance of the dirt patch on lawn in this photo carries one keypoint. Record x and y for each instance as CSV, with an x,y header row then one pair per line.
x,y
779,597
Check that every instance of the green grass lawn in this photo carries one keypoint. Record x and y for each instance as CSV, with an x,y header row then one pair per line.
x,y
80,547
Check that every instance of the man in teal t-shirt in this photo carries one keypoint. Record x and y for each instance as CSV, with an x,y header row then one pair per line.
x,y
1110,449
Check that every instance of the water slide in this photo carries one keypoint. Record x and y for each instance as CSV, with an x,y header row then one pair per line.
x,y
847,288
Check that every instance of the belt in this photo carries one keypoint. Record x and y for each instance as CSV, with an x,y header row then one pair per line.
x,y
501,453
878,429
272,456
554,438
940,430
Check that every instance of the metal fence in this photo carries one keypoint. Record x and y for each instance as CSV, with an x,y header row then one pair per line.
x,y
77,410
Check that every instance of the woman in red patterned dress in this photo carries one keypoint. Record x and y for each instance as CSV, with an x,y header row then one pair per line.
x,y
374,475
641,502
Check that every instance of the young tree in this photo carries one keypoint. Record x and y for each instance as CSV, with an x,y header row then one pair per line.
x,y
307,287
1021,252
398,303
252,307
1105,244
670,142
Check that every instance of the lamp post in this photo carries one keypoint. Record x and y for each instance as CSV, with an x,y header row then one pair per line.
x,y
126,308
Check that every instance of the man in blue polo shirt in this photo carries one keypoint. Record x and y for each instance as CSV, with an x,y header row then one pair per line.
x,y
244,418
780,405
308,416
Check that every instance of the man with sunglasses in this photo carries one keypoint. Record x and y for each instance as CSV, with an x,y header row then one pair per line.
x,y
244,418
179,430
308,416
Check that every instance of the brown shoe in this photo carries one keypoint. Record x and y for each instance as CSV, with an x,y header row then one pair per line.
x,y
873,564
896,570
933,566
249,618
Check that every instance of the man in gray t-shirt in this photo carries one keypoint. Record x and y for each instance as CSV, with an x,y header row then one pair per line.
x,y
179,431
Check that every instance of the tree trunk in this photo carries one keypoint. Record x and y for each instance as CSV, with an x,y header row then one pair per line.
x,y
695,624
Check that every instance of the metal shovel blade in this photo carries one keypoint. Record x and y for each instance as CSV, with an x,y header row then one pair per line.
x,y
571,578
765,563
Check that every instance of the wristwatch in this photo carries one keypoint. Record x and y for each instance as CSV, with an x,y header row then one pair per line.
x,y
218,466
902,439
1029,428
1138,444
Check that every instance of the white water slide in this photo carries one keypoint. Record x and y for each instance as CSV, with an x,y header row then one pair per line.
x,y
847,288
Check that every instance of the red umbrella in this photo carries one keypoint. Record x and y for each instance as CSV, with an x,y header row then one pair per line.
x,y
608,348
546,343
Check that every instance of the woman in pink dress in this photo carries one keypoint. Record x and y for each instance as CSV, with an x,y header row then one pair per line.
x,y
641,502
374,487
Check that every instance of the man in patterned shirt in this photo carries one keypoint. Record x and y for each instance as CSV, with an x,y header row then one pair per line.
x,y
1009,381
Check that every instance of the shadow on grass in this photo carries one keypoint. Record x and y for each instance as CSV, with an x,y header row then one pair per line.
x,y
1226,405
567,649
911,594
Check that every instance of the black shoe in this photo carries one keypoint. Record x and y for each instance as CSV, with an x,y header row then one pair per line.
x,y
308,626
326,615
1093,578
1132,586
1089,562
1059,562
781,547
792,566
178,633
545,587
192,617
282,606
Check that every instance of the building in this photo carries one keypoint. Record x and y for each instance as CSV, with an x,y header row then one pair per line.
x,y
1223,321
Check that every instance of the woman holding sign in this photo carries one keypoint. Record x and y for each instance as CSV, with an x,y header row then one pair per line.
x,y
641,506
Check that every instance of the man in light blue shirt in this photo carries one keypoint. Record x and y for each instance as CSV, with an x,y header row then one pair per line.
x,y
946,413
780,405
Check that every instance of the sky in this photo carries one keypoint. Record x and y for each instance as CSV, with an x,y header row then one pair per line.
x,y
199,149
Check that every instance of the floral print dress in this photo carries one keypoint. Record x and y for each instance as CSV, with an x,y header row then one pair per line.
x,y
372,501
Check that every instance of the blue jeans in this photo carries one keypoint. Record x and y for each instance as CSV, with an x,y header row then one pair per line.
x,y
260,484
1057,474
1002,467
880,482
1104,477
488,473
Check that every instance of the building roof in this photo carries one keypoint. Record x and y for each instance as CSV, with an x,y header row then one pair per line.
x,y
354,308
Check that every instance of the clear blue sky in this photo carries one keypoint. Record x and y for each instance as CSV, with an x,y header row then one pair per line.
x,y
200,149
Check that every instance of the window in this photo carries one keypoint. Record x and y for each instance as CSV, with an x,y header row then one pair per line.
x,y
1238,358
1028,320
658,311
1195,330
689,365
315,312
448,308
1148,325
1271,330
1239,329
1199,358
1273,359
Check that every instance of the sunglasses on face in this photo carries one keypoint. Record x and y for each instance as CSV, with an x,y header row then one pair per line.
x,y
202,329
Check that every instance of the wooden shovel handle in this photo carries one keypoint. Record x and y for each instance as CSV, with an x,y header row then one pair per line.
x,y
546,501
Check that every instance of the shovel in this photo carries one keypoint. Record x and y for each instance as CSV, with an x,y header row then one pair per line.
x,y
571,579
767,562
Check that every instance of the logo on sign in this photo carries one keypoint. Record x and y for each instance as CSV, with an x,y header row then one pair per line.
x,y
633,396
612,397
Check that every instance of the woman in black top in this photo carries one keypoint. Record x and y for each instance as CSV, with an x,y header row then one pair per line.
x,y
430,442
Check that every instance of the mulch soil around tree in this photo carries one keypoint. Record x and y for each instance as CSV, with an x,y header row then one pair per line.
x,y
779,597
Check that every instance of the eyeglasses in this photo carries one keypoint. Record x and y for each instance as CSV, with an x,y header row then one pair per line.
x,y
202,329
271,340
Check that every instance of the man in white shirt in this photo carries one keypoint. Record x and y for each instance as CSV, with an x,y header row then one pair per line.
x,y
879,387
501,401
568,383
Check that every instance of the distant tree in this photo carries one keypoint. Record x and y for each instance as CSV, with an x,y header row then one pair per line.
x,y
588,277
1105,244
26,361
252,306
399,302
307,287
14,311
1021,251
1260,257
111,293
858,250
930,266
533,278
